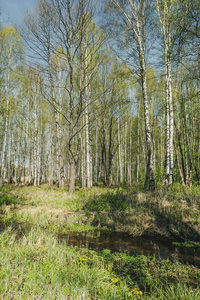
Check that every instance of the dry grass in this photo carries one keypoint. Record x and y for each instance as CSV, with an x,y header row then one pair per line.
x,y
173,214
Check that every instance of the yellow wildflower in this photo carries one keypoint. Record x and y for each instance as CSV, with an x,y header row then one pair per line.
x,y
73,260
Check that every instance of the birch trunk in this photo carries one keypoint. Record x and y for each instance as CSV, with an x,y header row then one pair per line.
x,y
83,160
125,152
140,24
3,156
171,128
150,166
51,157
61,180
36,100
38,161
165,15
130,157
60,174
87,137
96,156
120,158
9,180
103,154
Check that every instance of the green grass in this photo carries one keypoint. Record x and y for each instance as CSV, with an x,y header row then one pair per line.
x,y
37,266
7,199
188,244
174,214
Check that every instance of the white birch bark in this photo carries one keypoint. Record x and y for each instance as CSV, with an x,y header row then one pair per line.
x,y
125,152
96,156
87,140
120,156
135,21
166,31
35,104
3,156
87,127
9,177
83,158
138,145
51,157
60,166
130,157
38,160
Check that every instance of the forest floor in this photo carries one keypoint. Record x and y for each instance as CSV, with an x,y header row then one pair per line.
x,y
36,265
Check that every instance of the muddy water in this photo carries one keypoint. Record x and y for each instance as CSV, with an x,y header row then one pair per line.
x,y
122,242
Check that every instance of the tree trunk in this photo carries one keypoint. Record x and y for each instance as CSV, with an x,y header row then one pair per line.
x,y
72,177
96,156
150,167
120,158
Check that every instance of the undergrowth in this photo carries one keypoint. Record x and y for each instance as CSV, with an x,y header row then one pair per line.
x,y
172,214
36,265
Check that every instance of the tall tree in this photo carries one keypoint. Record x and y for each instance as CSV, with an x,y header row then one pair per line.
x,y
130,24
11,58
171,15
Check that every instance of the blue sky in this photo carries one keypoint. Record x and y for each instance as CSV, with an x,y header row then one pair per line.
x,y
12,11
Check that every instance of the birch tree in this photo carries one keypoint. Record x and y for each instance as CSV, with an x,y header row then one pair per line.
x,y
172,15
11,56
131,19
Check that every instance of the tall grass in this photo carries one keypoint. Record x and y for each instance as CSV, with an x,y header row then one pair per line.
x,y
175,213
37,266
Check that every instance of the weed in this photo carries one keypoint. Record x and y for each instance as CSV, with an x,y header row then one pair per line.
x,y
8,199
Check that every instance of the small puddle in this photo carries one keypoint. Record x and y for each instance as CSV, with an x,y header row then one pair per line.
x,y
122,242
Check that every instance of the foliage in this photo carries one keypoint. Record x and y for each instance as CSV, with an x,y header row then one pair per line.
x,y
108,202
37,265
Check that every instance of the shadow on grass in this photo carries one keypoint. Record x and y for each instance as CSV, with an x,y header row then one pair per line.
x,y
109,209
107,202
147,214
172,215
178,229
7,198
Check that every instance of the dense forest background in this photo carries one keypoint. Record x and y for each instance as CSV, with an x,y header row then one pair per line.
x,y
102,93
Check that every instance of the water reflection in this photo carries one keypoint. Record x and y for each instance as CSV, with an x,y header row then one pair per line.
x,y
122,242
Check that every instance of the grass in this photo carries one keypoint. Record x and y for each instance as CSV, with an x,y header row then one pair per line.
x,y
189,244
173,214
37,266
